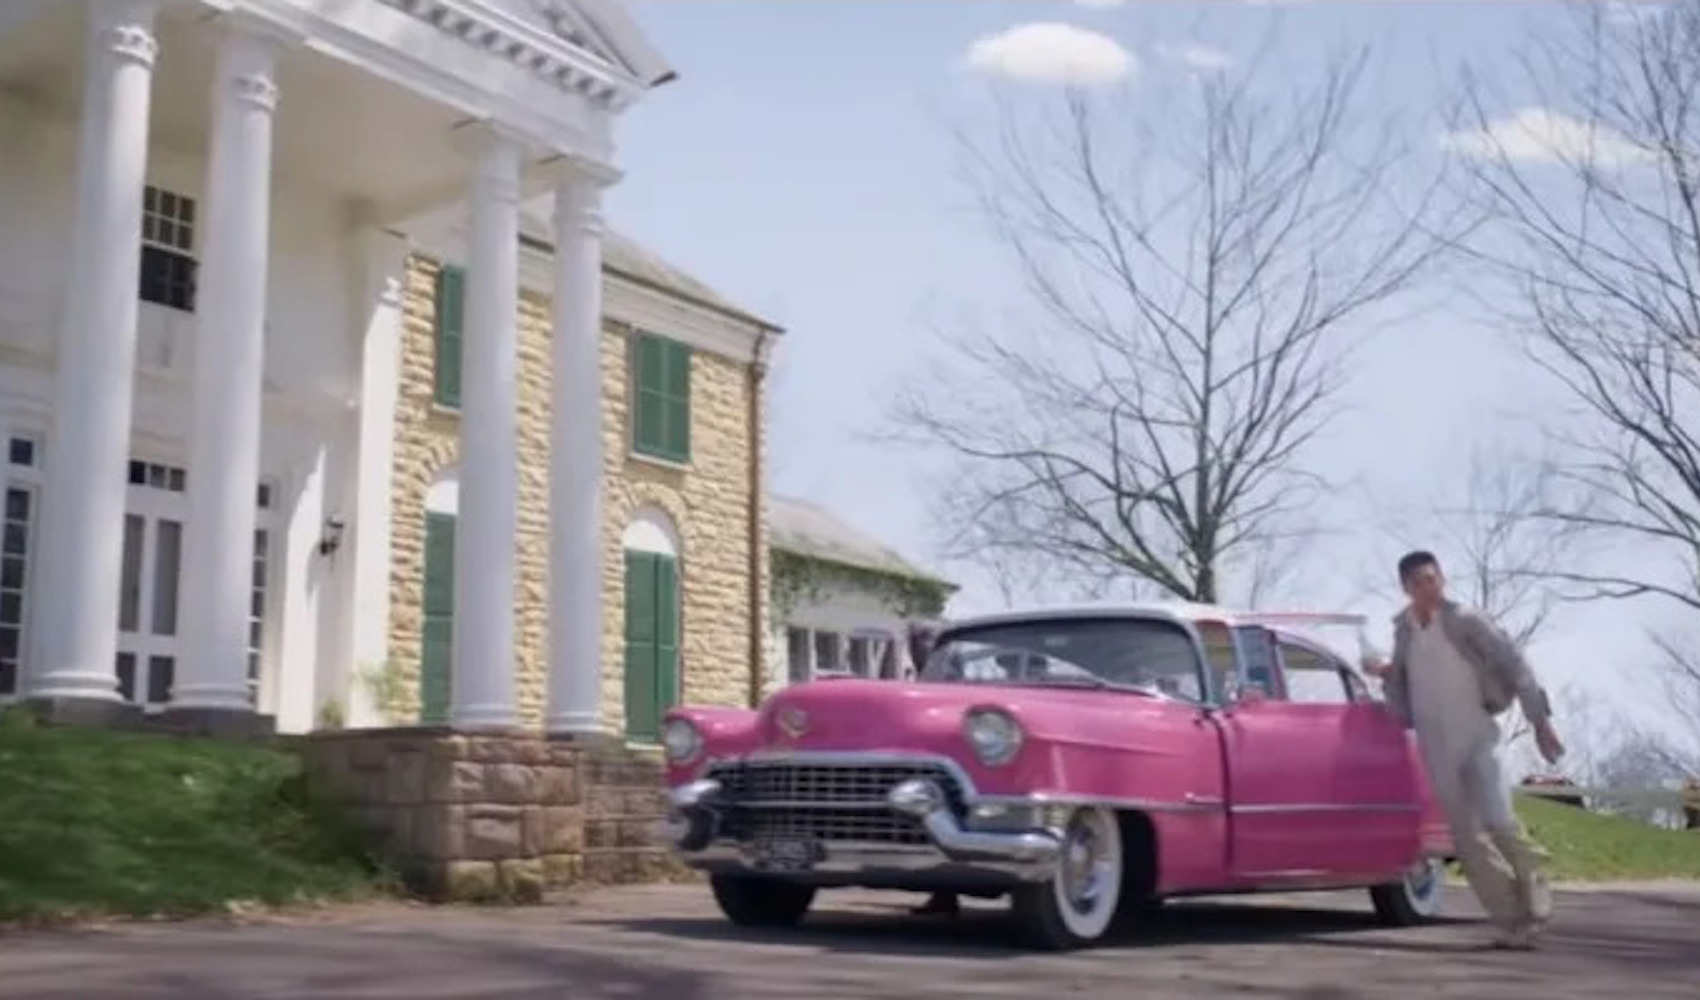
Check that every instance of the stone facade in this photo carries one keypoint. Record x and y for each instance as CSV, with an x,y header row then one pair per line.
x,y
707,501
497,818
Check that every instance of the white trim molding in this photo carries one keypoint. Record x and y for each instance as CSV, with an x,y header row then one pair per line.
x,y
569,67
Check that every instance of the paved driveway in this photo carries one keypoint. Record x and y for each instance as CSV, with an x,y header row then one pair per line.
x,y
667,943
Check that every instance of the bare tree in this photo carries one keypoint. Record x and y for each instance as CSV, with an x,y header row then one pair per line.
x,y
1597,200
1597,204
1503,552
1191,269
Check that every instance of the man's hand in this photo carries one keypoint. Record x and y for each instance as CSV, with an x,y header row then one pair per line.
x,y
1376,667
1547,742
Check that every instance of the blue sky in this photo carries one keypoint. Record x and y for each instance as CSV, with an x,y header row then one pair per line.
x,y
802,165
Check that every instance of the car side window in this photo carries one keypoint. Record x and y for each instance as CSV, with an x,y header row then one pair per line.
x,y
1313,678
1257,647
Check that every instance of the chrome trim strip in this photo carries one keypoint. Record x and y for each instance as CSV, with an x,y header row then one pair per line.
x,y
1042,799
971,796
848,859
848,804
1325,807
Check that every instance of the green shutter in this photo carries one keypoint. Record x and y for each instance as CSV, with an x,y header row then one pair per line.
x,y
678,392
666,635
648,405
437,643
450,321
652,642
661,389
643,715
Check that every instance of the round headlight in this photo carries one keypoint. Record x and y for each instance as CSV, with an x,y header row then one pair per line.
x,y
681,740
994,734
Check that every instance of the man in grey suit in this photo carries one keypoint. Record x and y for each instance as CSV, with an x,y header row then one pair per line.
x,y
1451,673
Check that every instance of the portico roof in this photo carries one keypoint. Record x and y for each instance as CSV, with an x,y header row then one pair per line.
x,y
587,48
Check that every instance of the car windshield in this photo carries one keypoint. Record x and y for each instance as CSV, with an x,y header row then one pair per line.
x,y
1137,653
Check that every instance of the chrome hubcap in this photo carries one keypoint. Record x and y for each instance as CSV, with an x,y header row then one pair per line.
x,y
1423,879
1086,867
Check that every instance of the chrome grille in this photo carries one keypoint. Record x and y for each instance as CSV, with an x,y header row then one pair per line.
x,y
831,802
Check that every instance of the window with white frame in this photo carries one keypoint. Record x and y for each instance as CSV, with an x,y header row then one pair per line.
x,y
829,652
799,661
858,653
17,518
168,249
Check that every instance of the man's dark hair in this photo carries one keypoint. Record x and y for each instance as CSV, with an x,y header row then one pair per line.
x,y
1410,562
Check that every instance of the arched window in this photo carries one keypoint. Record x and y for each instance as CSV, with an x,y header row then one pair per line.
x,y
442,505
651,545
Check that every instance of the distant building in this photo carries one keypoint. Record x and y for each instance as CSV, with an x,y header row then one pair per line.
x,y
841,600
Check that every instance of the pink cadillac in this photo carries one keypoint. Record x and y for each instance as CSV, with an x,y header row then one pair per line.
x,y
1087,763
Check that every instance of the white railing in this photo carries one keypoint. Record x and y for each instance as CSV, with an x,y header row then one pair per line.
x,y
1669,798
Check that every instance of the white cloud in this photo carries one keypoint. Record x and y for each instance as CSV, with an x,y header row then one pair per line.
x,y
1046,52
1539,134
1100,4
1201,58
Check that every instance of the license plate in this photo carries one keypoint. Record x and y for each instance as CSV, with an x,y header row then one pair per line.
x,y
788,853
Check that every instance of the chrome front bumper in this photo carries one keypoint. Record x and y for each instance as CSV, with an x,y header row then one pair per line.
x,y
693,829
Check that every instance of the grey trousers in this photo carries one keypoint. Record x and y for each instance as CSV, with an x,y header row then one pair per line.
x,y
1504,867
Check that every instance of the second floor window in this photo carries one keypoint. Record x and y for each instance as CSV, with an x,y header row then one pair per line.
x,y
168,249
661,398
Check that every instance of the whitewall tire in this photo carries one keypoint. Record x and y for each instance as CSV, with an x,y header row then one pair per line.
x,y
1077,906
1414,899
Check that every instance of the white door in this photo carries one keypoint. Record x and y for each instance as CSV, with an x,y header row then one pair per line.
x,y
148,584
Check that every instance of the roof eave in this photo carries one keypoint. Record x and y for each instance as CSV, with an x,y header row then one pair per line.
x,y
916,575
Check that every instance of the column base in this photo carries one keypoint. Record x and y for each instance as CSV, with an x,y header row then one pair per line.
x,y
220,722
595,739
92,713
213,698
572,724
493,719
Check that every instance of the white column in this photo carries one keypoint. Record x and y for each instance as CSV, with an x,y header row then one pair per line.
x,y
229,359
366,549
483,654
575,458
82,529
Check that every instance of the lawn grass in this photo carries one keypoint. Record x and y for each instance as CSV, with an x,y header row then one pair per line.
x,y
109,823
1591,847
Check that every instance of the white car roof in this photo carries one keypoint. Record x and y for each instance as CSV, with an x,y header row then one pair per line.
x,y
1178,611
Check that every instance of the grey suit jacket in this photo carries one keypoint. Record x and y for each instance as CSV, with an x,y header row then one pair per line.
x,y
1501,670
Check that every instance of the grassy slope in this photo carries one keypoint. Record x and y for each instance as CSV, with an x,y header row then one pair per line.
x,y
115,823
1591,847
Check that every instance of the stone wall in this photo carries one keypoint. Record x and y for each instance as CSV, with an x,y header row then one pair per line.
x,y
706,501
496,818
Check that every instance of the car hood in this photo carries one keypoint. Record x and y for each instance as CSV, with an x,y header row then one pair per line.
x,y
894,716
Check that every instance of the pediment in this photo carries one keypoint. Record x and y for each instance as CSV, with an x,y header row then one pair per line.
x,y
585,45
573,24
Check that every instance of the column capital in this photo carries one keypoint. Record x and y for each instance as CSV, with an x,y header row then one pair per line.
x,y
578,211
478,137
570,170
125,31
498,159
248,54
